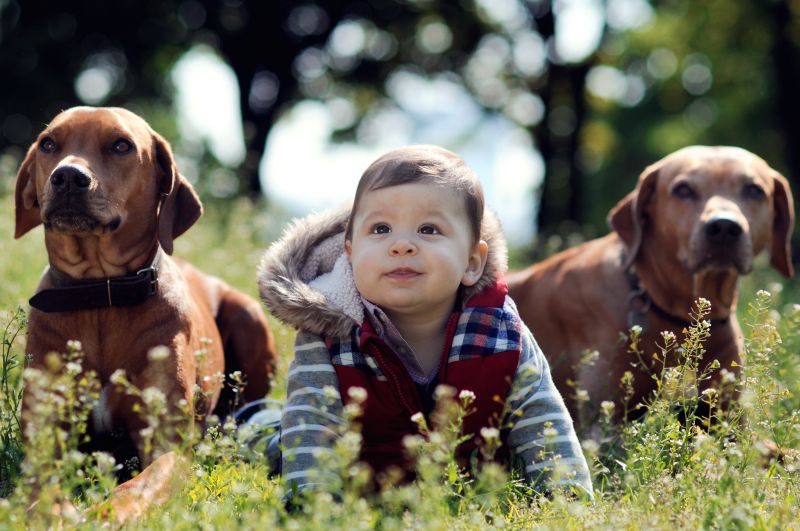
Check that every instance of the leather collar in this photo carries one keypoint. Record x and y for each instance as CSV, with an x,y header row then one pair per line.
x,y
70,294
640,303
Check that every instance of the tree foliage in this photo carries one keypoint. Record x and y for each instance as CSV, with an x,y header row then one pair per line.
x,y
715,72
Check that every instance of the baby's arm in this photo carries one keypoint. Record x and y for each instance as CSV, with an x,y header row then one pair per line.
x,y
312,416
542,435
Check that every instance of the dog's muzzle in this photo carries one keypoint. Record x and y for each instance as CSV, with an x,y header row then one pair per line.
x,y
721,242
68,206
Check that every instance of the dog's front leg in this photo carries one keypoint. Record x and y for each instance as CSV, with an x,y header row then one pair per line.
x,y
153,486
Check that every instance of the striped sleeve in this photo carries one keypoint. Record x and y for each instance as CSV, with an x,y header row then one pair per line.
x,y
542,437
312,417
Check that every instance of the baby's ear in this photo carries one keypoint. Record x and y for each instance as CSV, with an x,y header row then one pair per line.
x,y
476,264
348,247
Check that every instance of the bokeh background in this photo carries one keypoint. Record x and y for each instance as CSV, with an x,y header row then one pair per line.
x,y
558,105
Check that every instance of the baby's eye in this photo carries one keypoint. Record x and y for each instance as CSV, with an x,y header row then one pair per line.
x,y
380,228
429,229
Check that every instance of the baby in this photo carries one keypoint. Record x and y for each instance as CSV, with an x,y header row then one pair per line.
x,y
402,294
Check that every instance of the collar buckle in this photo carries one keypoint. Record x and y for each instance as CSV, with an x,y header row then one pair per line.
x,y
152,272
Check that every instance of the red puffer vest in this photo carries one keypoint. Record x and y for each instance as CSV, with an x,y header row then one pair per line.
x,y
481,355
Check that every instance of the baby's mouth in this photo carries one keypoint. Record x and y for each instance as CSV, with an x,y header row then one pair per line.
x,y
402,273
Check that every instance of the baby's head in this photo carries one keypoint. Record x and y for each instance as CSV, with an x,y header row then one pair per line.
x,y
414,234
424,164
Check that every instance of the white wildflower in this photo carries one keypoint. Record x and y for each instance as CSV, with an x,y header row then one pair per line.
x,y
118,377
357,394
466,395
153,396
550,432
330,393
490,434
158,353
607,407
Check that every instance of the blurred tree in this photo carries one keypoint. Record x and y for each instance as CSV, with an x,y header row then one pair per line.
x,y
56,55
283,52
720,71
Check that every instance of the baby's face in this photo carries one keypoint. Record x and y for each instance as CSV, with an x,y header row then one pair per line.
x,y
411,247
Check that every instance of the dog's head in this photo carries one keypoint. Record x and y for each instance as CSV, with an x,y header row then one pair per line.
x,y
713,208
104,172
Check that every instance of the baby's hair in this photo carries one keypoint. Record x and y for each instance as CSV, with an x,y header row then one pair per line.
x,y
426,164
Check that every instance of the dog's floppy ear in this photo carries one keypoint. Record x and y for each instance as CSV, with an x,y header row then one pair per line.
x,y
26,204
782,225
180,205
627,216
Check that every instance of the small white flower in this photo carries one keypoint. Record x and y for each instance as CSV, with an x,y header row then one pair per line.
x,y
203,450
607,407
490,434
118,377
357,394
73,345
152,396
417,417
727,376
582,395
158,353
466,396
330,392
590,446
105,462
76,457
73,368
413,442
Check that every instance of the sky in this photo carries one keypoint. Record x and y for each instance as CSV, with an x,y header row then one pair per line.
x,y
304,171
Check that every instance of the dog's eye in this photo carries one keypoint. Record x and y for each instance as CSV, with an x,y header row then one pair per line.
x,y
754,191
121,146
684,191
48,145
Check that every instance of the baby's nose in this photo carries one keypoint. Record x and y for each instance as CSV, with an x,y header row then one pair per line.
x,y
402,246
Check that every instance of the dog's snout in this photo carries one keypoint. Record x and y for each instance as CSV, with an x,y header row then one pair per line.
x,y
70,178
723,230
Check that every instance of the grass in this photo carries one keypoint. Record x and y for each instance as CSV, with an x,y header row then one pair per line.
x,y
659,472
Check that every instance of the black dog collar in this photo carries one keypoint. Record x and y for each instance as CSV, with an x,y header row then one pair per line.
x,y
72,294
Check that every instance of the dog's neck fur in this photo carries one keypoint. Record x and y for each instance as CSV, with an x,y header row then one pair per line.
x,y
97,255
677,295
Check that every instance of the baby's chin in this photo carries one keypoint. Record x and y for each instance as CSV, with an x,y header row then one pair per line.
x,y
414,306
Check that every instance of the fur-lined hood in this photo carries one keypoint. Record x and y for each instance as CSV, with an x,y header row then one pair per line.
x,y
306,281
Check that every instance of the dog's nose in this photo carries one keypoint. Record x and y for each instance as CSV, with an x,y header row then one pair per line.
x,y
723,230
69,178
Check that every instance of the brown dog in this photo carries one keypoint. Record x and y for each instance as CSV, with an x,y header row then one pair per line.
x,y
690,228
108,191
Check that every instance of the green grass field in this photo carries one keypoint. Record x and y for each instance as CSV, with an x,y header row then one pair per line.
x,y
660,472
